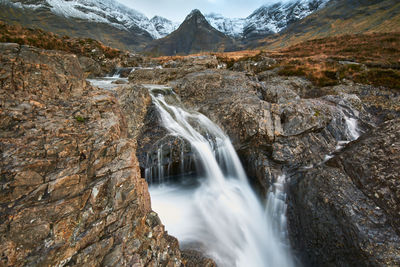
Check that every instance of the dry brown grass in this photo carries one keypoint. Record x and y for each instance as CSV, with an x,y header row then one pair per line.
x,y
236,55
364,58
51,41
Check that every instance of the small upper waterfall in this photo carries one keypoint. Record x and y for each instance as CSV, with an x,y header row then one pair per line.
x,y
217,211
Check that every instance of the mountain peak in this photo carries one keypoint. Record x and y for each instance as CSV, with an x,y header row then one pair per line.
x,y
195,14
194,35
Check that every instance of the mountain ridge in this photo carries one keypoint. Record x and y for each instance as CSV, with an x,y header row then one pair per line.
x,y
271,26
124,18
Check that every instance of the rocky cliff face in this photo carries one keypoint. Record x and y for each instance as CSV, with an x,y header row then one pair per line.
x,y
346,212
71,190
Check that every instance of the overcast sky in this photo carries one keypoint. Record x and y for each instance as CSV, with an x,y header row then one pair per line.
x,y
176,10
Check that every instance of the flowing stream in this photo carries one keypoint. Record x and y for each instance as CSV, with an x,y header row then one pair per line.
x,y
216,211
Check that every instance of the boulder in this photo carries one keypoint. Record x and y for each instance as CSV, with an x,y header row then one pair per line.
x,y
90,67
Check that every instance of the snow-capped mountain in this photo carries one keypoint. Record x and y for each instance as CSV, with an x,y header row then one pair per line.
x,y
232,27
164,26
276,17
104,11
117,25
267,19
194,35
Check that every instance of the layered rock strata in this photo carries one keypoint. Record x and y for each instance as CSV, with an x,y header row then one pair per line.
x,y
70,190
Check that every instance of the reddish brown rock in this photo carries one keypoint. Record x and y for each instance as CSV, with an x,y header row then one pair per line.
x,y
71,190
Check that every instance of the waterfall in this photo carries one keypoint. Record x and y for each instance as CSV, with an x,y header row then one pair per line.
x,y
218,212
117,73
351,124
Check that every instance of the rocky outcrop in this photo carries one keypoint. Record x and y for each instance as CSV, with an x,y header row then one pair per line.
x,y
172,70
271,130
71,190
156,76
189,62
346,212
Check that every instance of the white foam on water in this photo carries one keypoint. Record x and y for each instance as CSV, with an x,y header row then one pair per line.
x,y
221,213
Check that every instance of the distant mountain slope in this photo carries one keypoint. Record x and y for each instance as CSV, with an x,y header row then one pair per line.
x,y
337,18
107,21
266,20
39,14
103,11
270,19
194,35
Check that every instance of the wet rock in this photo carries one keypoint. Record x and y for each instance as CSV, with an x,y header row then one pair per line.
x,y
162,156
194,258
270,136
383,103
346,212
71,191
119,82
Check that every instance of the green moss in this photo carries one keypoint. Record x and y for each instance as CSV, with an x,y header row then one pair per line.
x,y
80,119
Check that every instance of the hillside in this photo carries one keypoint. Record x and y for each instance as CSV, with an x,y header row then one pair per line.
x,y
107,21
47,40
339,17
96,59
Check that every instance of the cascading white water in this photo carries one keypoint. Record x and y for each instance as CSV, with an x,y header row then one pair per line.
x,y
351,124
219,214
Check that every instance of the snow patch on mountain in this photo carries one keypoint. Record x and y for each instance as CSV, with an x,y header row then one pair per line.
x,y
163,25
232,27
267,19
276,17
